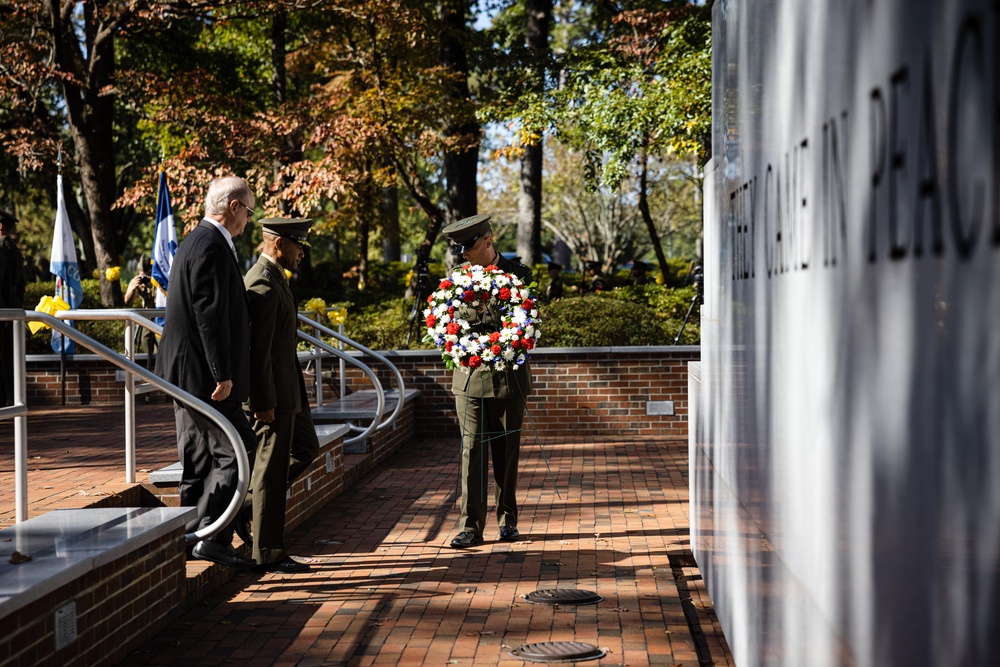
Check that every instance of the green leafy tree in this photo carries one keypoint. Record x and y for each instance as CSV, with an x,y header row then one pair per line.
x,y
634,85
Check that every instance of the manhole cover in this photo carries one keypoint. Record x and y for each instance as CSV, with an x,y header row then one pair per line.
x,y
564,596
557,652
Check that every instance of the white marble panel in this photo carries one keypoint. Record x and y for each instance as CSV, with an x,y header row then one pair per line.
x,y
846,446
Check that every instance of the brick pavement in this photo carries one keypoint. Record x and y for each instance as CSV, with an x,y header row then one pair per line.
x,y
387,590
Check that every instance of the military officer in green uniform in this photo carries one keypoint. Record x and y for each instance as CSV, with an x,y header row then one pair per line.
x,y
12,284
278,407
490,407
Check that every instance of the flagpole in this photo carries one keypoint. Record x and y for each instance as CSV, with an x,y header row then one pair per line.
x,y
65,278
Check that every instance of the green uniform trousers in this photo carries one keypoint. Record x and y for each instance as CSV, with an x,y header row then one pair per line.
x,y
493,422
285,449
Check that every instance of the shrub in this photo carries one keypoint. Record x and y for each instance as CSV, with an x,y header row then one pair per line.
x,y
599,321
384,326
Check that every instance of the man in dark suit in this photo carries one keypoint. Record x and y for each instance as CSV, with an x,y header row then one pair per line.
x,y
278,405
490,407
205,351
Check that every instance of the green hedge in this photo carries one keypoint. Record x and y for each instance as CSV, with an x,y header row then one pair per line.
x,y
111,334
643,315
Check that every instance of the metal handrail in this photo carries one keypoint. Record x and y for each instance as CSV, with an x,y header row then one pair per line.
x,y
379,391
18,412
178,394
131,317
364,350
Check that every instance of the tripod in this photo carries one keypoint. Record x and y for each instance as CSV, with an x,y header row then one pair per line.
x,y
699,280
422,290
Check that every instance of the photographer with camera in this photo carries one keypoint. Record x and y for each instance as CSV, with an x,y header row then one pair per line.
x,y
142,286
697,277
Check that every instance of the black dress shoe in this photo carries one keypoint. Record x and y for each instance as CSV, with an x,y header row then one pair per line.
x,y
466,540
223,554
509,533
242,527
286,566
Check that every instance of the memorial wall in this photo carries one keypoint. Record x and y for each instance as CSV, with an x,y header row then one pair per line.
x,y
845,454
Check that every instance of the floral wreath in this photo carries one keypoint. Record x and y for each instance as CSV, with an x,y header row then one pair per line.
x,y
457,303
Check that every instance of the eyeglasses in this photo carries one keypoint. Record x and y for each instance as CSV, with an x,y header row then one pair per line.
x,y
249,210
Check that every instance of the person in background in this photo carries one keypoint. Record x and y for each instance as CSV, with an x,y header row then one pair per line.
x,y
278,407
204,350
597,281
143,292
12,284
554,290
638,273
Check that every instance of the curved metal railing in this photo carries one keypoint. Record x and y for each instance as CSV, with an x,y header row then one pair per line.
x,y
132,318
379,391
364,350
131,368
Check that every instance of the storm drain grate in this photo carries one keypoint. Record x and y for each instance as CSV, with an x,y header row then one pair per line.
x,y
563,596
557,652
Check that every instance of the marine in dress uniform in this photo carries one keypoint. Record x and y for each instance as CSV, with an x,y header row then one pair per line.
x,y
278,407
204,350
490,407
12,284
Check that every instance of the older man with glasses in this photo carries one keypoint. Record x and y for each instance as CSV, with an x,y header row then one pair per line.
x,y
205,351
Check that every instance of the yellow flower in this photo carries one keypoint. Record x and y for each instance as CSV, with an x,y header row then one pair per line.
x,y
288,274
96,274
659,278
113,273
49,305
317,306
338,316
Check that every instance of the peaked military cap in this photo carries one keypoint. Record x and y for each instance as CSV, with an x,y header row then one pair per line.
x,y
296,229
7,219
464,233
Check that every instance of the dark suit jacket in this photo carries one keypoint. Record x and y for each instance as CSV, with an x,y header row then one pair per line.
x,y
509,384
275,373
206,333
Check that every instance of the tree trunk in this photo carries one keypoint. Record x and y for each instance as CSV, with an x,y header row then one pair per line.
x,y
460,165
389,207
529,204
647,218
90,111
293,146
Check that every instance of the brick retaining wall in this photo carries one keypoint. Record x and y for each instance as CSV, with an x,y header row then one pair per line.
x,y
118,607
578,391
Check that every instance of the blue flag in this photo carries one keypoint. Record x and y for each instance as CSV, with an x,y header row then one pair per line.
x,y
164,244
63,265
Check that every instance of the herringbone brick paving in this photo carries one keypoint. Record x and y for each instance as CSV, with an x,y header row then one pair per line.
x,y
387,590
609,516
